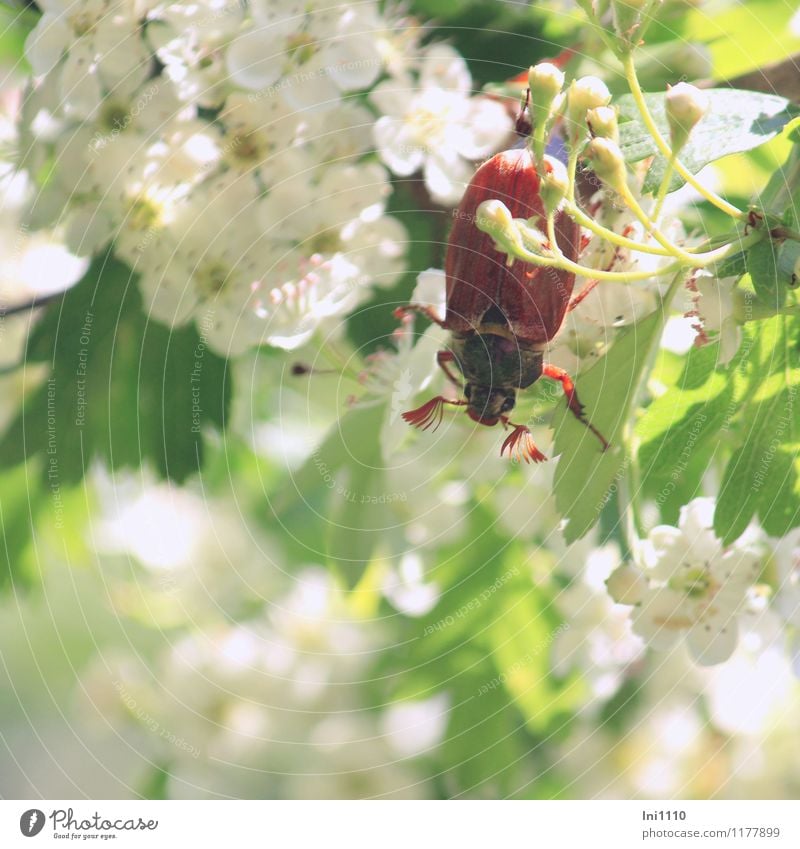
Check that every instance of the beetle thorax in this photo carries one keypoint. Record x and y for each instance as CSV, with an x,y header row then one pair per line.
x,y
494,368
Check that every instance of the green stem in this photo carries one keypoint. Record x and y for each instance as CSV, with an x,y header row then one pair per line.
x,y
615,238
651,227
663,189
598,27
517,250
663,146
572,164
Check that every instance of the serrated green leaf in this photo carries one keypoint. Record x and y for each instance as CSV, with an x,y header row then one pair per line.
x,y
584,472
788,259
770,425
745,482
677,426
762,265
780,508
676,430
732,266
737,121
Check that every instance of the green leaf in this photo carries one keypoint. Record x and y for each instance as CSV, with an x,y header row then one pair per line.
x,y
120,388
762,265
521,639
676,429
780,507
336,505
788,259
737,121
15,25
21,501
585,473
678,425
732,266
483,747
760,469
742,36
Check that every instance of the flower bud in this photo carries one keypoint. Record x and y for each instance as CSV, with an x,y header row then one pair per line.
x,y
685,105
554,185
602,121
585,94
627,584
608,163
494,218
545,81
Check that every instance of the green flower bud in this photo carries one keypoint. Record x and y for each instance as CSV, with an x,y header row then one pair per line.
x,y
494,218
545,81
585,94
602,121
608,162
554,184
685,105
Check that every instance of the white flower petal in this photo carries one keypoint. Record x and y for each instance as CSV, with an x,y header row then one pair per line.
x,y
397,147
447,179
254,61
431,290
444,67
47,42
487,126
662,618
80,89
713,639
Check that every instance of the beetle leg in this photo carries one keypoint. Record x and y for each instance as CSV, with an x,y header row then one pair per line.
x,y
555,373
577,300
442,359
427,311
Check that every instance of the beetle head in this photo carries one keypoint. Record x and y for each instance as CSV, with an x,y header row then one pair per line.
x,y
486,404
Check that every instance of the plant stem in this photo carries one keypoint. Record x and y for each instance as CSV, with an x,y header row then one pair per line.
x,y
651,226
557,259
615,238
661,143
663,189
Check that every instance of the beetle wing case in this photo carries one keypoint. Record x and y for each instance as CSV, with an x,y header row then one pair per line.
x,y
532,300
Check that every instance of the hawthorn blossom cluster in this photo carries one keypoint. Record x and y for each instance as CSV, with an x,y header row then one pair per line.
x,y
227,151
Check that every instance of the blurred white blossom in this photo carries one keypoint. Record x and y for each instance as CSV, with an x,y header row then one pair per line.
x,y
434,124
698,587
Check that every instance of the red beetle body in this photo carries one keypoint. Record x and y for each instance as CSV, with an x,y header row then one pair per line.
x,y
501,316
533,301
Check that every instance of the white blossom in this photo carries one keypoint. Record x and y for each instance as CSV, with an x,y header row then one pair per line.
x,y
436,126
698,587
713,313
317,51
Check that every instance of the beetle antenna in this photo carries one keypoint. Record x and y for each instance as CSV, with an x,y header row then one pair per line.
x,y
520,445
431,413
